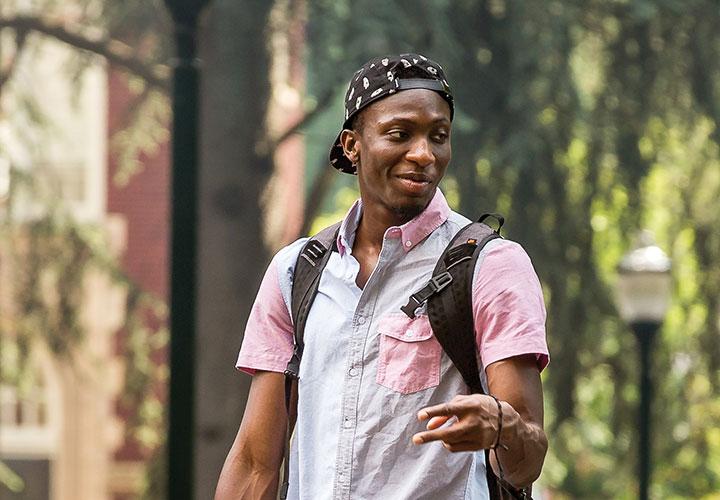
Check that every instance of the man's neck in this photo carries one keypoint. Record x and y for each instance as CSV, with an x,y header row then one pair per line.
x,y
368,241
375,221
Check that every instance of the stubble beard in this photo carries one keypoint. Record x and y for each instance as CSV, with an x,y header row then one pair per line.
x,y
408,212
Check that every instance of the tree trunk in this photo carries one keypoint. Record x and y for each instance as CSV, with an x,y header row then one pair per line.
x,y
231,255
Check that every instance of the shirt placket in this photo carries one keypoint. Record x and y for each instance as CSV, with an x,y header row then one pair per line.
x,y
353,374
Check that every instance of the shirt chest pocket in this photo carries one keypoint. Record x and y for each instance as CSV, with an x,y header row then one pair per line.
x,y
410,354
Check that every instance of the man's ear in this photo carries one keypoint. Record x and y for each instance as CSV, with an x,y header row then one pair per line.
x,y
351,145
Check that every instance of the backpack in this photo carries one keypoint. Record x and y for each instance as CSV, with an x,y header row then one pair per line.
x,y
448,295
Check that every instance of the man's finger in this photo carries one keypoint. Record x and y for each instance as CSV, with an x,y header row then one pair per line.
x,y
462,446
459,406
452,433
436,422
441,410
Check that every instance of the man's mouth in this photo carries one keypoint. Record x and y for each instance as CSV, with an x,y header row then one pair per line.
x,y
414,181
415,177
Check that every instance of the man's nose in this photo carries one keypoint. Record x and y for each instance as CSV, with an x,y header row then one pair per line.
x,y
421,152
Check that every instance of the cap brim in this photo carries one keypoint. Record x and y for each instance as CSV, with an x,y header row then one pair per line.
x,y
338,159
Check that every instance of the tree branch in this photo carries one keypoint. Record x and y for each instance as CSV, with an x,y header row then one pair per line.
x,y
20,39
114,51
322,104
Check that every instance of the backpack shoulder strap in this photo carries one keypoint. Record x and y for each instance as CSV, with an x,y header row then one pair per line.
x,y
450,310
309,266
306,277
451,318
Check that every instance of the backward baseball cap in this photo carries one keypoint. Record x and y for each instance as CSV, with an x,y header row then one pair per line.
x,y
381,77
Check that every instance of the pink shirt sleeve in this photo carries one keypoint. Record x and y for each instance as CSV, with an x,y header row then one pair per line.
x,y
508,306
268,341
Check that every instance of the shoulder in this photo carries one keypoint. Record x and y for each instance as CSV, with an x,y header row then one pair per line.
x,y
450,227
457,221
283,265
501,251
506,285
286,257
508,305
504,258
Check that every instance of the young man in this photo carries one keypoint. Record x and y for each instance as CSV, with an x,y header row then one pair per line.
x,y
382,411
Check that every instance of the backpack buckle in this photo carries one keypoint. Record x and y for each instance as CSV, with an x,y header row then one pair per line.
x,y
435,285
439,283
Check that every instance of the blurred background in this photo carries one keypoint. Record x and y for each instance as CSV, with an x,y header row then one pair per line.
x,y
582,122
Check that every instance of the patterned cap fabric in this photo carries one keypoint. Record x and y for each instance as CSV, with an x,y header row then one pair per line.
x,y
382,77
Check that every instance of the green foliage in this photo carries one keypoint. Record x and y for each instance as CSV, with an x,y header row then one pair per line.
x,y
10,480
155,485
146,373
582,122
146,130
48,251
342,200
51,256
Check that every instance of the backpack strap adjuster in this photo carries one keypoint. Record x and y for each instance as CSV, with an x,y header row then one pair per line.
x,y
293,367
435,285
313,252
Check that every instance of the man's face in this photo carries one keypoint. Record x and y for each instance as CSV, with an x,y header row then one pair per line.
x,y
402,148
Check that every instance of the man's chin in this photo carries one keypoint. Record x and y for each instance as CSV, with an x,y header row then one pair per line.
x,y
411,208
406,208
407,212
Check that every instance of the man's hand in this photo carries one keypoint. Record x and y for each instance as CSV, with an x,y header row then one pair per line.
x,y
472,423
469,423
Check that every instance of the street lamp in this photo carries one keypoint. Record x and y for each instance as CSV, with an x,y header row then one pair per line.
x,y
643,296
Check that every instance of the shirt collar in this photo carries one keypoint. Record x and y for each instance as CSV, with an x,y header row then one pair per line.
x,y
411,233
346,235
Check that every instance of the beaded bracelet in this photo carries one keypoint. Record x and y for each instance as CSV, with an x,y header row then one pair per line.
x,y
500,425
523,493
497,444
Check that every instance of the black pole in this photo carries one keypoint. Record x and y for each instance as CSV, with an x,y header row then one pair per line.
x,y
645,332
183,278
181,438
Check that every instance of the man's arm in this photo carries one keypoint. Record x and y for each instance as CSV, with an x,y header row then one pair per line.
x,y
516,383
251,469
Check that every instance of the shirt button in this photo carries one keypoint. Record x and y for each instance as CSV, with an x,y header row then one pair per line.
x,y
353,371
408,243
348,423
361,320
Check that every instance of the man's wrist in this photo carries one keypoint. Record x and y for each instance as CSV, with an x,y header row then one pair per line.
x,y
509,434
524,448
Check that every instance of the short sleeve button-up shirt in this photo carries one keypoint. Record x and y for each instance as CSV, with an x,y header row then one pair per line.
x,y
367,368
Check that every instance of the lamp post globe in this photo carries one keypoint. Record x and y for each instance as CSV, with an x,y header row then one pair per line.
x,y
643,296
644,284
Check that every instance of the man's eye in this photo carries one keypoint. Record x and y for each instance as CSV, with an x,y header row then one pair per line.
x,y
440,137
398,134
